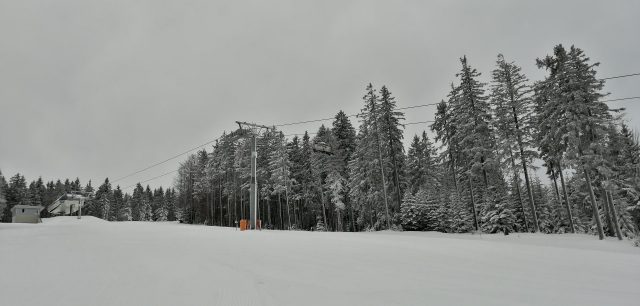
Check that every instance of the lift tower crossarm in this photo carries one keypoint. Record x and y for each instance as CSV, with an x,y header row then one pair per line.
x,y
253,125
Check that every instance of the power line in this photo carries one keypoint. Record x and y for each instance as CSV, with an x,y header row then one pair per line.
x,y
302,122
164,161
299,134
420,122
416,106
151,179
621,99
621,76
352,115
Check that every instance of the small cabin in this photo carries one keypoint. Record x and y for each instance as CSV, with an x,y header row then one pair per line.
x,y
26,214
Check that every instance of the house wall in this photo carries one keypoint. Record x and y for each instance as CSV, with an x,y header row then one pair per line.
x,y
29,216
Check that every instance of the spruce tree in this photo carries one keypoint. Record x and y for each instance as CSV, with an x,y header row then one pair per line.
x,y
470,114
119,211
391,136
102,201
137,212
574,114
446,134
344,136
280,171
512,104
367,173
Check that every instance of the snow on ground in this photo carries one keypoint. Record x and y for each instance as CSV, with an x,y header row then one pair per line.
x,y
66,261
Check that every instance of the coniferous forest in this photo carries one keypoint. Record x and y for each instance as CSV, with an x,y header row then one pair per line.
x,y
476,169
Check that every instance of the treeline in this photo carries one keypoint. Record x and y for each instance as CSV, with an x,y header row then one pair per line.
x,y
107,203
477,174
143,204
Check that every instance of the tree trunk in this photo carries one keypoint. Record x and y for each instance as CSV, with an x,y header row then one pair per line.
x,y
614,215
594,204
555,186
324,212
220,202
280,211
235,198
473,203
353,226
523,159
268,208
607,214
228,211
295,214
286,196
566,199
453,171
516,178
534,212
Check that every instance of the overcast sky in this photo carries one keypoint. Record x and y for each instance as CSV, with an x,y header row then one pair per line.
x,y
92,89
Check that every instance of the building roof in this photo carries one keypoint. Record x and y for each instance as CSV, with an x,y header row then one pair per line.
x,y
27,206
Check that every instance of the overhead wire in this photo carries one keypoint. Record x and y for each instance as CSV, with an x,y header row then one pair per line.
x,y
621,76
151,179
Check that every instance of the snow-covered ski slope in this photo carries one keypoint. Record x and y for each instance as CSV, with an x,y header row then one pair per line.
x,y
66,261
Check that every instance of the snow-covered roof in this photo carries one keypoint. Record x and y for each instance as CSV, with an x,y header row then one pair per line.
x,y
26,206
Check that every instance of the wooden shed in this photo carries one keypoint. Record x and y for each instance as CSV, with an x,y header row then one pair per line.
x,y
26,214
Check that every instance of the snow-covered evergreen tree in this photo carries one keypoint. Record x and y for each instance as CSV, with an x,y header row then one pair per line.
x,y
572,114
498,217
279,168
512,104
391,136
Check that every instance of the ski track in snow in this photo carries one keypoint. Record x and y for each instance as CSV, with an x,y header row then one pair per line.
x,y
66,261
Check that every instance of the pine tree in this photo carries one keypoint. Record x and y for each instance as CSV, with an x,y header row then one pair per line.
x,y
161,212
171,205
391,135
15,194
36,192
344,136
336,187
294,152
137,212
305,179
279,168
367,181
421,167
446,134
146,209
573,115
321,165
498,216
411,214
103,201
470,114
510,96
119,210
126,213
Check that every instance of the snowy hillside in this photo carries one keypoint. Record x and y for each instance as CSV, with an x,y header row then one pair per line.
x,y
66,261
